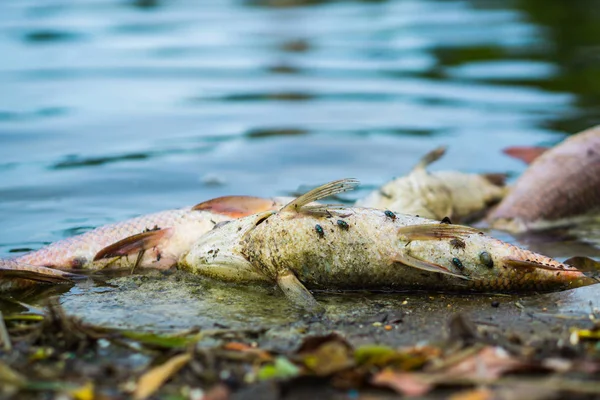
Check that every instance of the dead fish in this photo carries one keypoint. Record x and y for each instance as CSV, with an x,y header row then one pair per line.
x,y
303,246
436,195
150,241
561,186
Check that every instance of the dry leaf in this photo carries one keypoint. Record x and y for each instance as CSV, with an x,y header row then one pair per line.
x,y
488,363
244,348
406,383
152,380
217,392
8,376
85,392
326,355
474,394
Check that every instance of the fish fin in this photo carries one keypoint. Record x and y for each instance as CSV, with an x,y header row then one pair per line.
x,y
410,261
38,274
133,244
496,179
296,292
430,158
326,190
531,264
236,206
527,154
326,210
584,264
434,232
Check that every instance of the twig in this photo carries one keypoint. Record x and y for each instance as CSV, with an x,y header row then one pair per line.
x,y
4,338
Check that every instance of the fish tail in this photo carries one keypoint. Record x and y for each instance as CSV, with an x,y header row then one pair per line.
x,y
17,275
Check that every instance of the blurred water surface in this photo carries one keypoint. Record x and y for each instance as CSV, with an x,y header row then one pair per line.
x,y
111,109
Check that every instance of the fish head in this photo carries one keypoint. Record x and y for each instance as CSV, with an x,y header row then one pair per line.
x,y
493,265
485,263
219,253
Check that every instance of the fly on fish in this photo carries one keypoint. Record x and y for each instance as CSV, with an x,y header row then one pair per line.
x,y
302,247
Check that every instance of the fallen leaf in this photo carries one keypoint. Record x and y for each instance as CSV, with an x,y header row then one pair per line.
x,y
312,343
236,346
163,341
244,348
474,394
281,369
10,377
329,358
489,363
217,392
85,392
404,359
406,383
152,380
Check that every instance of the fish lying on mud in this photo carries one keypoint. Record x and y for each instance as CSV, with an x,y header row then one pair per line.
x,y
560,187
157,240
149,241
304,245
456,195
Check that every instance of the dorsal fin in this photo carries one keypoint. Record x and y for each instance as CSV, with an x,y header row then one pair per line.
x,y
326,190
527,154
430,157
133,244
237,206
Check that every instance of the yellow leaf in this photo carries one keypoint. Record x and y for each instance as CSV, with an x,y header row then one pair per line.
x,y
85,392
152,380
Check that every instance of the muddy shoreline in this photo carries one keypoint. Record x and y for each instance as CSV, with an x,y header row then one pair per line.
x,y
227,347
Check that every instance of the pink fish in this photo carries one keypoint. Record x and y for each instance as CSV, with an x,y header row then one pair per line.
x,y
149,241
561,185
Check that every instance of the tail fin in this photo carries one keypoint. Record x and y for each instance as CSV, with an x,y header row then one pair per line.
x,y
15,275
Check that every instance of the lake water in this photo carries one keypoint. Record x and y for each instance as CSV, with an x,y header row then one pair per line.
x,y
111,109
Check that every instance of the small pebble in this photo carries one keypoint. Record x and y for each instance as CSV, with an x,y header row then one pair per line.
x,y
387,327
495,304
377,324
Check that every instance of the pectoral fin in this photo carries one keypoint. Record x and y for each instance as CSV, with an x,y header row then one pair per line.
x,y
326,190
134,244
237,206
529,264
410,261
295,291
434,232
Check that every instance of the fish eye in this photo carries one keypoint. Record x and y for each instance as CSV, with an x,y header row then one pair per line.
x,y
457,263
486,259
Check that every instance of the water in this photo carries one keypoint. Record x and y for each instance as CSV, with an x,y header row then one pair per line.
x,y
111,109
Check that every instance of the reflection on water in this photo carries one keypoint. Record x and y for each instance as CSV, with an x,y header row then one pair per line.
x,y
110,109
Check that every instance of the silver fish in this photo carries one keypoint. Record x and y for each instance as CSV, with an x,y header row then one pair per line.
x,y
333,247
456,195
